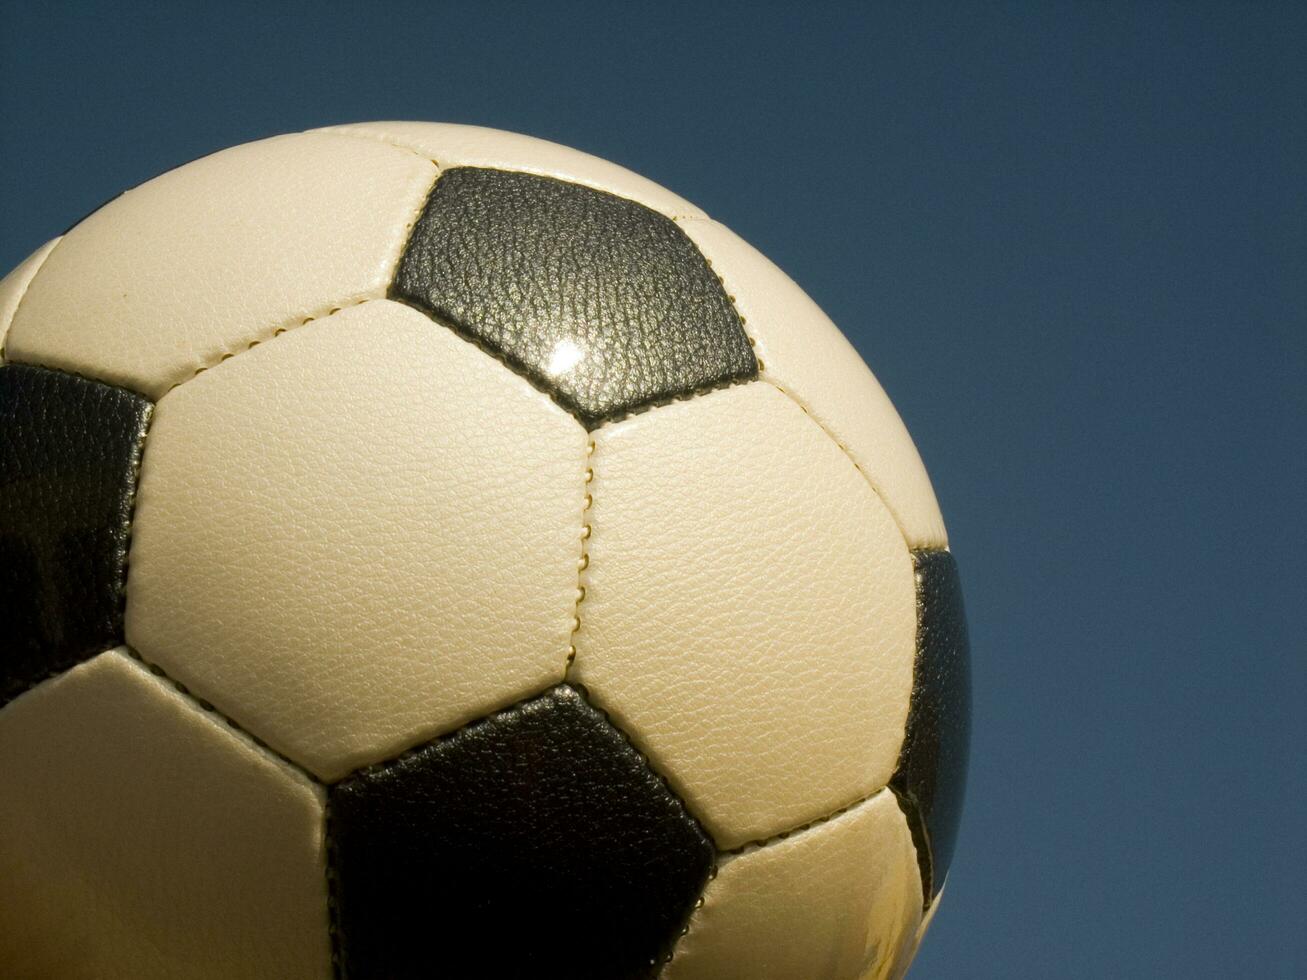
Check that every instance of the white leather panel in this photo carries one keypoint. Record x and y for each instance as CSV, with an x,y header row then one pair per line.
x,y
203,260
453,145
14,286
749,615
358,535
141,837
806,355
838,901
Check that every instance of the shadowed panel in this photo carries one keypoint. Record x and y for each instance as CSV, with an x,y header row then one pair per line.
x,y
838,901
932,771
141,838
536,842
69,449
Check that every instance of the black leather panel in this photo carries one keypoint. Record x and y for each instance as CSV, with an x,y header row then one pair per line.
x,y
932,770
535,843
600,301
69,450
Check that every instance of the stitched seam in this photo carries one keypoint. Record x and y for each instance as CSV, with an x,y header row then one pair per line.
x,y
124,579
23,295
351,132
373,767
589,697
210,708
875,488
138,464
729,381
759,843
583,563
694,914
363,134
532,376
756,845
275,333
689,919
662,401
920,834
766,378
680,800
412,221
341,968
81,377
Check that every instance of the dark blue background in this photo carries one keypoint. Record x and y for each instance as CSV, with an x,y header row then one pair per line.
x,y
1072,242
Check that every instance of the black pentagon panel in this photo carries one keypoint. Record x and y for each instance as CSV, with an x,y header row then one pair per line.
x,y
69,453
533,843
600,301
932,772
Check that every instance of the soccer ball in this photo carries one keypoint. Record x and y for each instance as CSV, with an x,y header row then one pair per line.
x,y
426,550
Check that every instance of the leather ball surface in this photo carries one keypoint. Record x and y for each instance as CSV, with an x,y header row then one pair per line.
x,y
431,551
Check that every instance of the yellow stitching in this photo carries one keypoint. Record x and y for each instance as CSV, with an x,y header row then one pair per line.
x,y
583,562
276,332
762,376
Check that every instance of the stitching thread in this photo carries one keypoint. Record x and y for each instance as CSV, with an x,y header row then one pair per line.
x,y
532,377
276,332
412,750
921,844
583,562
593,184
353,132
767,379
138,464
761,842
848,453
756,845
212,709
685,808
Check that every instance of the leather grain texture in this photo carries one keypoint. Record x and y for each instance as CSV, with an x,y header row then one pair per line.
x,y
804,353
602,302
838,901
141,838
452,145
358,535
534,843
203,260
749,611
932,771
13,288
69,450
